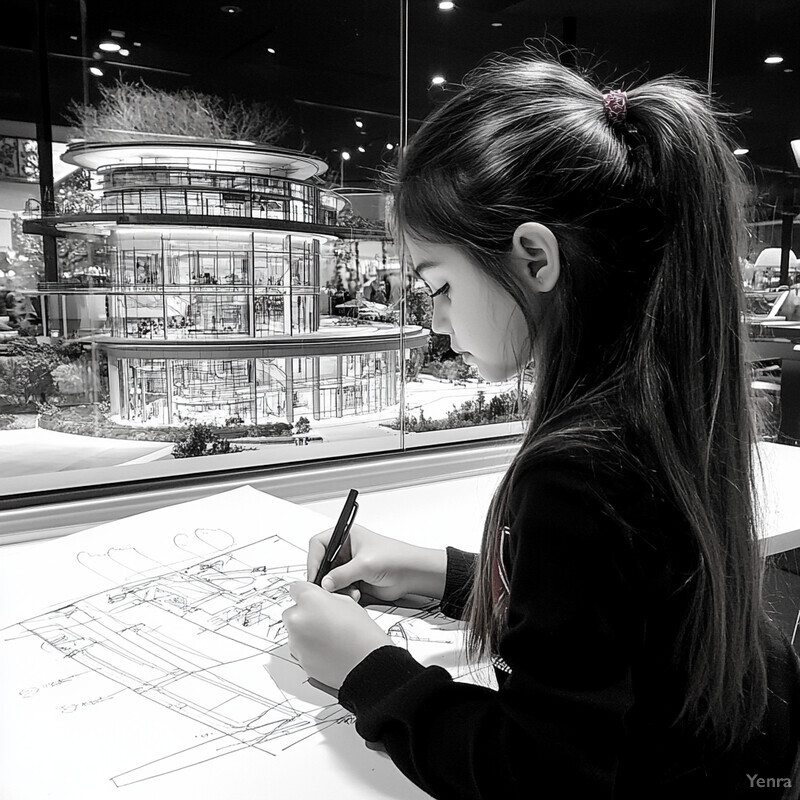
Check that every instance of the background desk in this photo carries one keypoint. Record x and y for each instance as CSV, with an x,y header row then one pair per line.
x,y
781,497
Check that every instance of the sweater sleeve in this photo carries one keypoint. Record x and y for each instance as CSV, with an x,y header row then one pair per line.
x,y
574,627
458,582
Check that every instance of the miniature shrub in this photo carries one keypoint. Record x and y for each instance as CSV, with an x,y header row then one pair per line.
x,y
501,408
201,440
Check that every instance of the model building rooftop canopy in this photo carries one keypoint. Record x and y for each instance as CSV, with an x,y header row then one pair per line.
x,y
201,154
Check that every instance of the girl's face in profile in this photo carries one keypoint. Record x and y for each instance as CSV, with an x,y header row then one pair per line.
x,y
483,321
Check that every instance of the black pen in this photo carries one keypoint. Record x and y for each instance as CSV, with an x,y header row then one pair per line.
x,y
339,536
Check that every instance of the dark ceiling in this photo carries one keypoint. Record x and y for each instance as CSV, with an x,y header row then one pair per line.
x,y
335,60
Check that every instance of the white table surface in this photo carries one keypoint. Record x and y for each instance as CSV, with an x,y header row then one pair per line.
x,y
431,515
781,497
453,511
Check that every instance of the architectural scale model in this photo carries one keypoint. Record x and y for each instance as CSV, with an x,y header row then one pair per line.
x,y
204,287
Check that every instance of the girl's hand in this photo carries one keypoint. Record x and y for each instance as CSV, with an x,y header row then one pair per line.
x,y
329,634
385,568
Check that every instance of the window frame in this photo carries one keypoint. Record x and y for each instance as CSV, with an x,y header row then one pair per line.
x,y
29,512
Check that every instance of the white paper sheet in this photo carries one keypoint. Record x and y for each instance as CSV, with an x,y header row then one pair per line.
x,y
146,659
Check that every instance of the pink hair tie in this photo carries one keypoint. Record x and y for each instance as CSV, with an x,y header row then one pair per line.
x,y
615,104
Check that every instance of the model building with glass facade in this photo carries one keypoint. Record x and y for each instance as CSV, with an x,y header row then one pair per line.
x,y
203,287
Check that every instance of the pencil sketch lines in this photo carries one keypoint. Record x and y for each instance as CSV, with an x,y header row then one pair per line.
x,y
206,641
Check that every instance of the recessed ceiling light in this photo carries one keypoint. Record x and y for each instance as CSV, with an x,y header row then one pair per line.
x,y
137,44
446,5
741,151
776,59
230,9
74,38
361,149
124,52
109,45
389,146
497,24
788,70
359,122
345,155
96,71
437,80
271,50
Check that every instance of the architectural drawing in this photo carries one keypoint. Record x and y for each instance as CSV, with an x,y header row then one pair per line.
x,y
205,640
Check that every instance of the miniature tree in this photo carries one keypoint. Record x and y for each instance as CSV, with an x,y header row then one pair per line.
x,y
25,379
127,109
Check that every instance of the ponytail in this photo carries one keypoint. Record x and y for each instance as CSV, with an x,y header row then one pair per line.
x,y
695,303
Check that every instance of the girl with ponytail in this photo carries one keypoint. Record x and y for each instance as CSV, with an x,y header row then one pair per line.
x,y
591,234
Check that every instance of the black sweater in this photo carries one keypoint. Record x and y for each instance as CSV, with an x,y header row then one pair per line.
x,y
585,705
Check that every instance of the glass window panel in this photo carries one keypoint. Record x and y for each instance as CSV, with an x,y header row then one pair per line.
x,y
117,306
111,203
276,209
212,204
146,391
269,311
233,204
194,202
219,291
126,261
145,316
177,315
131,202
151,201
174,202
147,268
180,263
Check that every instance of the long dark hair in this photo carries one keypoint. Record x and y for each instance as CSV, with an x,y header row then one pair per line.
x,y
644,337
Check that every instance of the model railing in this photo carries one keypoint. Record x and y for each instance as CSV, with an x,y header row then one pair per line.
x,y
215,203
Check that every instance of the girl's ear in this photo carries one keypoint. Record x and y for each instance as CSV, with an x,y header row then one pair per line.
x,y
534,252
